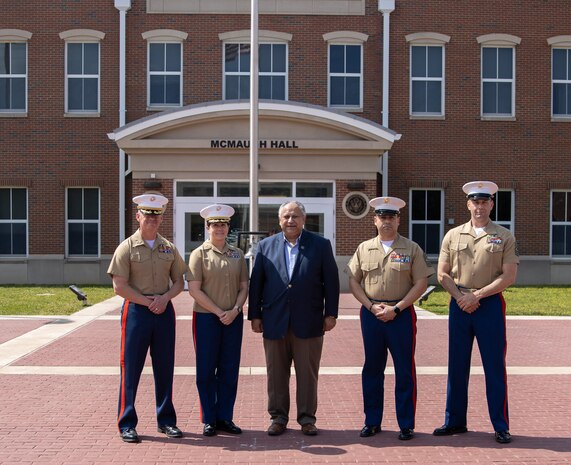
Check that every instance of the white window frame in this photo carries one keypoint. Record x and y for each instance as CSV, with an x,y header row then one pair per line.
x,y
275,73
497,80
11,220
331,75
346,38
150,74
81,36
10,37
439,222
557,223
165,37
560,43
497,41
265,37
428,39
506,224
82,76
234,73
82,221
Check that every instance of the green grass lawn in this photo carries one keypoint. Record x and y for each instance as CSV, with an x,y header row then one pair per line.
x,y
59,300
48,300
520,300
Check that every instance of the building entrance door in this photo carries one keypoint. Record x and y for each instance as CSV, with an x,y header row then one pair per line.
x,y
190,229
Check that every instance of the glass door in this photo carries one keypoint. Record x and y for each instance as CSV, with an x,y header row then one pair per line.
x,y
190,229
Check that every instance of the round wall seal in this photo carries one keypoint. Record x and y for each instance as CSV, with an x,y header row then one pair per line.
x,y
355,205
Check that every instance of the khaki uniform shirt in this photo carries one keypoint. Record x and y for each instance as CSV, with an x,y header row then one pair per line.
x,y
388,276
147,270
474,261
220,272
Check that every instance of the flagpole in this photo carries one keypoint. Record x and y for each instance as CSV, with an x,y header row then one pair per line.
x,y
254,119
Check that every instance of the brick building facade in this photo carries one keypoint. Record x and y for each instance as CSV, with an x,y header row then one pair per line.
x,y
476,90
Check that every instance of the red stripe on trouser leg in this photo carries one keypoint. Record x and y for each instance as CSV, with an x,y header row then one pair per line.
x,y
124,312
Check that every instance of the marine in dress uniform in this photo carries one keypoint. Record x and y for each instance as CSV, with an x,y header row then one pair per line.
x,y
142,268
478,260
387,274
218,283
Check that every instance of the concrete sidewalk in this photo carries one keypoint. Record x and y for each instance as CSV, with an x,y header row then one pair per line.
x,y
59,385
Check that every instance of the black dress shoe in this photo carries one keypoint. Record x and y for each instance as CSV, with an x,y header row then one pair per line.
x,y
228,427
130,435
170,430
503,437
406,434
209,430
369,430
449,430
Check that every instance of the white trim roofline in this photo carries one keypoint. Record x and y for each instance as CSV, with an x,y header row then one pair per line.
x,y
294,109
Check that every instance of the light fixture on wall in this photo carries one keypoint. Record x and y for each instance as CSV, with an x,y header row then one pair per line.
x,y
355,185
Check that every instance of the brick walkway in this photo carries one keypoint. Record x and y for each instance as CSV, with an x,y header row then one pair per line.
x,y
59,385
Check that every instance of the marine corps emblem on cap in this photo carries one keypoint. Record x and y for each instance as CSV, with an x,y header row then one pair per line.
x,y
217,213
387,205
480,189
151,204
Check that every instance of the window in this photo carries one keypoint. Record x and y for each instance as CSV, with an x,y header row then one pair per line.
x,y
426,219
427,74
194,189
273,71
236,71
164,67
165,74
502,213
427,80
561,223
13,76
498,75
561,75
83,222
13,221
498,86
301,189
272,64
345,75
82,77
82,71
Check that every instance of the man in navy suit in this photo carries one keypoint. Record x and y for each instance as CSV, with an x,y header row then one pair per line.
x,y
293,300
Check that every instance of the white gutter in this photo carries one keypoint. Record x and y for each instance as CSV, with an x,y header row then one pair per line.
x,y
386,7
123,6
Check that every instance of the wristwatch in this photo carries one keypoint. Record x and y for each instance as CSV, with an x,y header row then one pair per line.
x,y
396,310
239,309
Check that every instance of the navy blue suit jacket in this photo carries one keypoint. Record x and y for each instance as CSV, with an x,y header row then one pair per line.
x,y
302,302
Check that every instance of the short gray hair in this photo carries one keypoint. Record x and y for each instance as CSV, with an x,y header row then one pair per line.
x,y
297,204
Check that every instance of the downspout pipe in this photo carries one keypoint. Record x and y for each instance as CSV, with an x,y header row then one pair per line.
x,y
123,6
386,7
